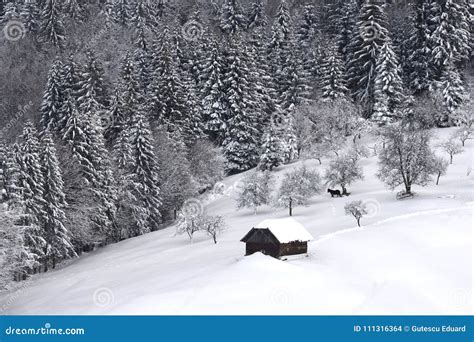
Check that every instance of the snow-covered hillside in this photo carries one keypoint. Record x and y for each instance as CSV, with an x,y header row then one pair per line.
x,y
410,257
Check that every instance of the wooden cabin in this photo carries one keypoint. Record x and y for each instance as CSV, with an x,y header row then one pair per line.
x,y
277,238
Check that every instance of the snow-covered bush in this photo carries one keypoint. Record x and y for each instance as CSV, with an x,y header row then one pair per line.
x,y
440,166
214,225
255,190
191,223
344,171
357,209
451,147
407,158
463,134
297,188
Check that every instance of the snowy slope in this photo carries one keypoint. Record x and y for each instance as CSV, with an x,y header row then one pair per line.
x,y
411,257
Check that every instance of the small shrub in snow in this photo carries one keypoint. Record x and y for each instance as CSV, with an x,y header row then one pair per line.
x,y
343,171
357,209
463,134
297,188
255,190
440,166
213,225
451,147
190,224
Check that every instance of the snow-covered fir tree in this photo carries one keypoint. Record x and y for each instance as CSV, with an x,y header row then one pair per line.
x,y
167,104
241,141
369,35
122,12
213,93
272,154
420,62
232,18
30,15
58,238
53,98
388,85
51,29
332,76
142,176
74,9
257,16
92,87
452,91
255,190
11,12
452,34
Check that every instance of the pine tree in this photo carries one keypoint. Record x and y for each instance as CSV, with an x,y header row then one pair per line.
x,y
143,176
308,27
213,93
122,12
57,237
167,92
452,34
31,186
232,19
332,76
30,15
293,87
281,27
452,91
31,178
53,98
74,10
87,146
11,12
51,28
241,142
272,153
345,27
420,66
92,88
9,177
369,36
388,85
258,17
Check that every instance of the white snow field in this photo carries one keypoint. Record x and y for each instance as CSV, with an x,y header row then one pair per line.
x,y
412,256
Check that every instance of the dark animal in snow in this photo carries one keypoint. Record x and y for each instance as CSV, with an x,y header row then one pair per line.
x,y
336,193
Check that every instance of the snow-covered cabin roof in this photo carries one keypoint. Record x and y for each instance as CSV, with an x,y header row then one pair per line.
x,y
285,230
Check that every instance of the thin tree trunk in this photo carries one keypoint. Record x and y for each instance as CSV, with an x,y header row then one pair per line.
x,y
358,222
291,207
451,159
437,179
